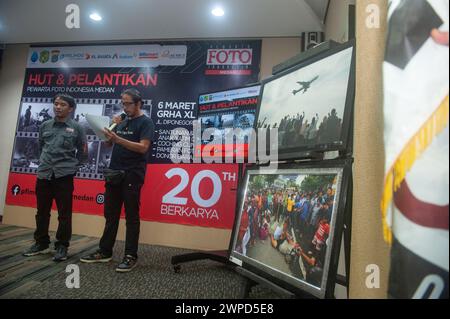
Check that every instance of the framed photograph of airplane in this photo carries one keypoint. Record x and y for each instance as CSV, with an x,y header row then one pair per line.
x,y
311,104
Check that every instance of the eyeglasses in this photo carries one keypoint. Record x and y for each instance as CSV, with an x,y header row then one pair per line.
x,y
127,103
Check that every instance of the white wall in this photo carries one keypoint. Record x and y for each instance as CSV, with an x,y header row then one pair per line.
x,y
336,24
12,74
276,51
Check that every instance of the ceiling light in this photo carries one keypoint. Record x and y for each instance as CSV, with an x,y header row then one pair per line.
x,y
95,17
218,12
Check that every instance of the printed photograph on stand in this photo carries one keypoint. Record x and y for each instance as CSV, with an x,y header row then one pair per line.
x,y
310,104
286,224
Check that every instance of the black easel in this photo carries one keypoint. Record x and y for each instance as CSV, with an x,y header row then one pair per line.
x,y
346,235
307,157
253,279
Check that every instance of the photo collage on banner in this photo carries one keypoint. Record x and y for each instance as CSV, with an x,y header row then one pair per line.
x,y
35,111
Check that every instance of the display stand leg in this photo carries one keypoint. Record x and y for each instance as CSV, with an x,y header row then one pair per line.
x,y
219,256
253,279
249,284
344,280
348,235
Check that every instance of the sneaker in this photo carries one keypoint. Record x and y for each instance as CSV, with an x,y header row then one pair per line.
x,y
61,254
36,249
97,257
127,264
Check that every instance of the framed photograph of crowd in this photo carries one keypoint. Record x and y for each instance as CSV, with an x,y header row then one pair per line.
x,y
310,104
289,224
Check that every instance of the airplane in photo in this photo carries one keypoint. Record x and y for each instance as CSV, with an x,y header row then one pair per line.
x,y
305,86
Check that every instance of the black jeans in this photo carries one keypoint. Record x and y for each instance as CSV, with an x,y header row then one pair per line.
x,y
128,194
60,189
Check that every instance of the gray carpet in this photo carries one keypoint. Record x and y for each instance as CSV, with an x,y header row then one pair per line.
x,y
152,278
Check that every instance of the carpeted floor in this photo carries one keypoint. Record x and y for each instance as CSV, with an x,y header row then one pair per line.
x,y
38,277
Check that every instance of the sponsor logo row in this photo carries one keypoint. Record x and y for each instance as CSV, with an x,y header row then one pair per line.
x,y
215,57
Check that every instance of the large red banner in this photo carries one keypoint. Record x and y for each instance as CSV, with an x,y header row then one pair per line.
x,y
189,194
170,77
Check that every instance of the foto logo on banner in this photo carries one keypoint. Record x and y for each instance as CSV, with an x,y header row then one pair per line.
x,y
219,57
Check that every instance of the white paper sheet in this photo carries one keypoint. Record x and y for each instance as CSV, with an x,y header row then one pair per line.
x,y
97,124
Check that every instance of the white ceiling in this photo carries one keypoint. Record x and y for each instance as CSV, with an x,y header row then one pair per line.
x,y
42,21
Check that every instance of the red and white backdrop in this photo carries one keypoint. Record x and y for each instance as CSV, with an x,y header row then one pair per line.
x,y
416,195
170,76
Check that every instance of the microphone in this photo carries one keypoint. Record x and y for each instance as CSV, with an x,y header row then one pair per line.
x,y
113,126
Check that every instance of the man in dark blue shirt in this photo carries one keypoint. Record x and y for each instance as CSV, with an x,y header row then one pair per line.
x,y
304,215
124,180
